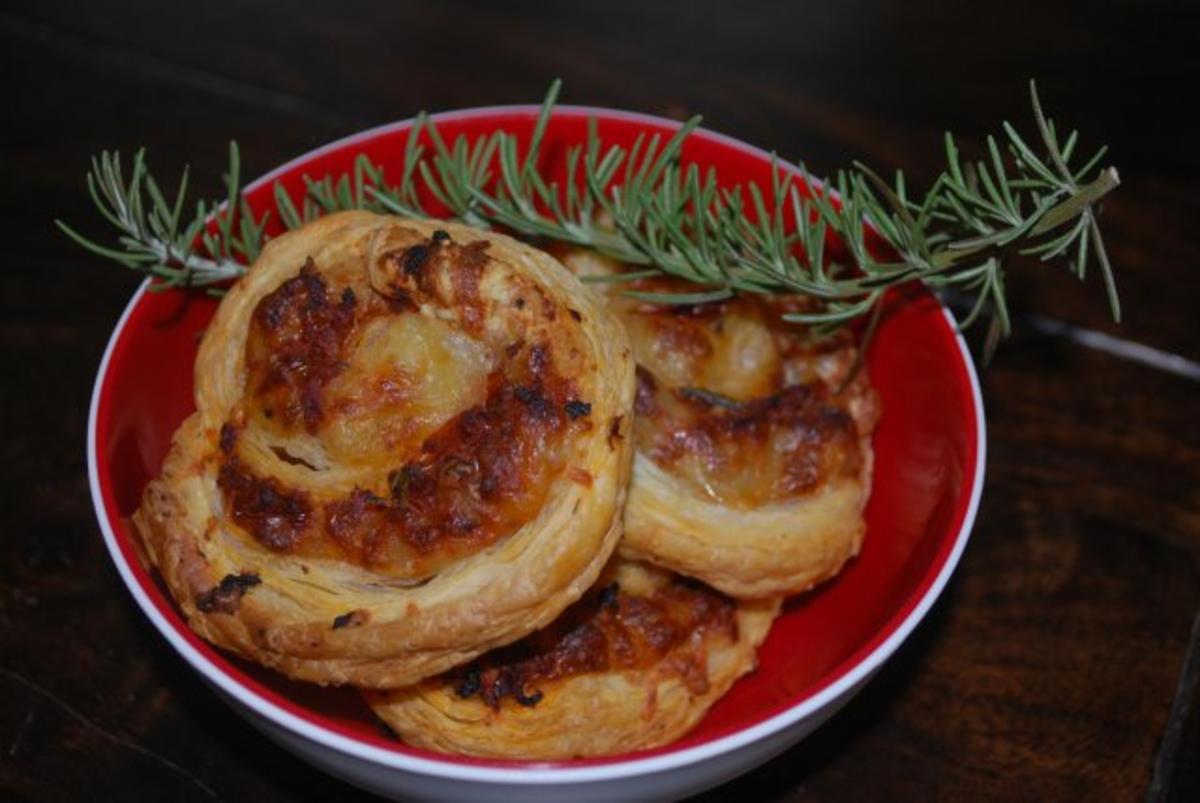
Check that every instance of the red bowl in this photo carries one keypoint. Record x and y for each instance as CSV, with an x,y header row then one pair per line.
x,y
929,453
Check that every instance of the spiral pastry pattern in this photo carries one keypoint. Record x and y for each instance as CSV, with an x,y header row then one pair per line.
x,y
411,445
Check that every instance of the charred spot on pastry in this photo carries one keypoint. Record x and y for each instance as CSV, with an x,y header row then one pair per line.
x,y
355,618
275,517
295,345
271,314
519,303
577,409
463,523
469,683
413,258
291,459
575,314
458,468
440,236
228,438
273,310
226,596
528,395
409,478
535,400
527,700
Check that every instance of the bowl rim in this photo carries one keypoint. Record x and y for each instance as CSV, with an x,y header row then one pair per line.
x,y
850,677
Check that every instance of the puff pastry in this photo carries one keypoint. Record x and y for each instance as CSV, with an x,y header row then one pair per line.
x,y
752,464
634,664
409,448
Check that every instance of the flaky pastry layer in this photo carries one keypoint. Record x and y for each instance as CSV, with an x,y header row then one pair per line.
x,y
611,705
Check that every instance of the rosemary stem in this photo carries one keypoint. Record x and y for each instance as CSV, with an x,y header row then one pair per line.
x,y
1063,212
642,206
1087,196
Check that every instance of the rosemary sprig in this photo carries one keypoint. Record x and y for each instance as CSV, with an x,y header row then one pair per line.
x,y
672,219
151,237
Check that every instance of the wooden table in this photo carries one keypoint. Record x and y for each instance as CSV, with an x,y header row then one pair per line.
x,y
1062,662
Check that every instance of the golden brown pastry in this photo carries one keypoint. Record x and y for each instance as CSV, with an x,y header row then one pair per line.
x,y
634,664
408,449
751,468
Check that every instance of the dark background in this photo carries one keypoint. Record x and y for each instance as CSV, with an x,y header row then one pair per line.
x,y
1057,664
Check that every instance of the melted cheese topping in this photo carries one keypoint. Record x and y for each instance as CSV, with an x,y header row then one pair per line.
x,y
727,349
386,422
637,620
736,402
407,375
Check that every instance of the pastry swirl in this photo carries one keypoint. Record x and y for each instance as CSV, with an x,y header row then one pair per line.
x,y
753,463
635,664
408,448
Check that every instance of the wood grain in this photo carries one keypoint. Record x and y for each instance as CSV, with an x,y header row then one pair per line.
x,y
1051,669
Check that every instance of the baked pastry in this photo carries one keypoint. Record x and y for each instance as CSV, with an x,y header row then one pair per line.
x,y
634,664
409,448
753,463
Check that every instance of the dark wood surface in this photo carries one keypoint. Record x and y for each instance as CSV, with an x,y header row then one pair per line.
x,y
1062,661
